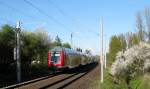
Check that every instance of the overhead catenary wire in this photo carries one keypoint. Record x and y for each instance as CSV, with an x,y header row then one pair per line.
x,y
44,13
7,21
64,14
19,11
57,7
16,10
47,15
41,11
60,10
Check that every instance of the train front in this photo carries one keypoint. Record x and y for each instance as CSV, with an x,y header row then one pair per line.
x,y
56,59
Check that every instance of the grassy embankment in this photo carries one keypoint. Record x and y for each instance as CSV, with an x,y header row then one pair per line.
x,y
141,82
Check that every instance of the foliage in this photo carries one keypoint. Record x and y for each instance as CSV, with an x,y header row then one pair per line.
x,y
34,47
114,47
79,49
66,45
140,82
143,25
135,40
108,83
140,27
134,62
144,83
123,41
88,52
57,42
132,39
131,56
7,36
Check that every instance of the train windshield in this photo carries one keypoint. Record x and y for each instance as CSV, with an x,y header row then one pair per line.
x,y
55,57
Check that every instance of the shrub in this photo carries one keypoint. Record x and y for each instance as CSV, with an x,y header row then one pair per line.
x,y
133,62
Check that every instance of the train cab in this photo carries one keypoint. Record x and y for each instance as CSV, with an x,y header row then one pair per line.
x,y
56,58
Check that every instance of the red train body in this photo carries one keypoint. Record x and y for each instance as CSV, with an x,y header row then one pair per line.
x,y
61,58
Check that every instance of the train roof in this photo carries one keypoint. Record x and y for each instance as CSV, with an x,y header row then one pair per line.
x,y
66,50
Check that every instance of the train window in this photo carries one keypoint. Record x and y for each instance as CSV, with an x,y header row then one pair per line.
x,y
55,57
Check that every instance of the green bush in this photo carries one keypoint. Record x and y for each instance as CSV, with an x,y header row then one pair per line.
x,y
141,82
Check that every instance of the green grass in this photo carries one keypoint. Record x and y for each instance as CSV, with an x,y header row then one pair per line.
x,y
145,82
107,84
141,82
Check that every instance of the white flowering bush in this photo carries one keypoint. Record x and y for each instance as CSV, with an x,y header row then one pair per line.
x,y
134,61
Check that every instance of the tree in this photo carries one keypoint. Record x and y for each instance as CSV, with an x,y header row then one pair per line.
x,y
7,41
123,41
79,49
57,42
114,47
43,46
28,51
140,27
88,51
66,45
132,39
132,63
35,46
135,39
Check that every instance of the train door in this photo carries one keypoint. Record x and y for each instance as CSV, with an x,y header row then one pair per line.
x,y
55,57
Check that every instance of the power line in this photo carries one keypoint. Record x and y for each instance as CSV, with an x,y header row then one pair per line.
x,y
18,11
90,30
7,21
39,10
66,15
63,13
59,9
14,9
44,13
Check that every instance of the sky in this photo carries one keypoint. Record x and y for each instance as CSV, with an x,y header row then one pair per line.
x,y
79,17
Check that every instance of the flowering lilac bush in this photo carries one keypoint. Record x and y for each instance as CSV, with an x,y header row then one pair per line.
x,y
132,62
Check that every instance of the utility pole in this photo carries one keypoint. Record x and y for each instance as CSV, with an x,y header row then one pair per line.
x,y
101,57
17,51
71,40
105,58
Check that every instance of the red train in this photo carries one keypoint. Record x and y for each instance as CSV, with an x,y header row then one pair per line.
x,y
61,58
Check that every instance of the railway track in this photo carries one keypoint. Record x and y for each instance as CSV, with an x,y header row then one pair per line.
x,y
55,82
29,82
65,82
